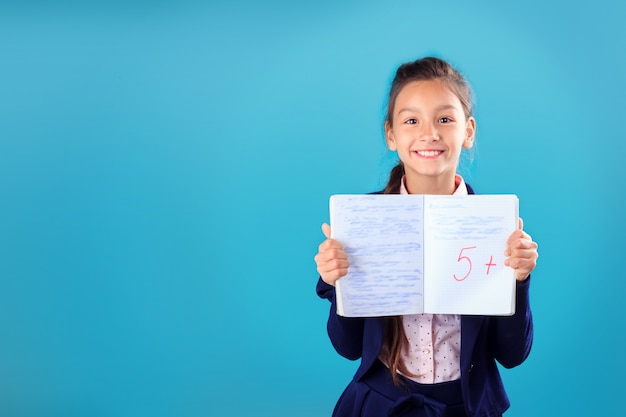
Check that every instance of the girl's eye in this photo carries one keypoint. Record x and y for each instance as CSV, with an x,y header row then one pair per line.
x,y
445,119
411,121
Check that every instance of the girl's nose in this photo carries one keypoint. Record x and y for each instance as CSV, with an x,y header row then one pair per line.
x,y
429,132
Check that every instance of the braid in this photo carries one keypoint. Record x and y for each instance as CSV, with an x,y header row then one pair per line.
x,y
395,179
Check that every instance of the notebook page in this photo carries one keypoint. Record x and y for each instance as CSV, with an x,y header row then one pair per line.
x,y
382,235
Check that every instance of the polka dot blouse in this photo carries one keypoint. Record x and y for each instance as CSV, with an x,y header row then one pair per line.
x,y
434,348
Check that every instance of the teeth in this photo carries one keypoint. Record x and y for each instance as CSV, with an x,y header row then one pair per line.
x,y
428,153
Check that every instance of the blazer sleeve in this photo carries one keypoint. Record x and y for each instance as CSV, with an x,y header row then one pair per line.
x,y
514,334
345,333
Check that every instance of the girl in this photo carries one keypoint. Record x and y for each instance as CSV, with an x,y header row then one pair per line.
x,y
429,364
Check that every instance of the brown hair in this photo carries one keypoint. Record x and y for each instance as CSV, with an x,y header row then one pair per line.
x,y
424,69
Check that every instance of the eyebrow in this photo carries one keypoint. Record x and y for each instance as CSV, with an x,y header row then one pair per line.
x,y
416,110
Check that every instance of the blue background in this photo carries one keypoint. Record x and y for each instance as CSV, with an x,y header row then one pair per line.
x,y
165,167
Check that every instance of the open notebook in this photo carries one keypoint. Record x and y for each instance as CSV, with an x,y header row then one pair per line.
x,y
416,253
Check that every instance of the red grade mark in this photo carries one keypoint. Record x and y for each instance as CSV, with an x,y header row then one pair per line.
x,y
469,263
490,264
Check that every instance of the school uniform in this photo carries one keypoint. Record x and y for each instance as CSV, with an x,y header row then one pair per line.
x,y
478,393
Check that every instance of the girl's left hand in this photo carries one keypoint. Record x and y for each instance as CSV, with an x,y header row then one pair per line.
x,y
521,253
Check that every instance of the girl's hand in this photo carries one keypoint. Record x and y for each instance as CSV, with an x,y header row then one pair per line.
x,y
521,253
331,259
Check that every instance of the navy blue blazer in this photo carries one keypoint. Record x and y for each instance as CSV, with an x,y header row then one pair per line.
x,y
484,340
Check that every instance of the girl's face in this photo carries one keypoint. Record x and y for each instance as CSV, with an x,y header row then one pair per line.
x,y
428,130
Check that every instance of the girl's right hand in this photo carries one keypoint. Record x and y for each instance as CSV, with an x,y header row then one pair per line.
x,y
331,259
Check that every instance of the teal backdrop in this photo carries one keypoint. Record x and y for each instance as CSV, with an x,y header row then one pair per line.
x,y
165,167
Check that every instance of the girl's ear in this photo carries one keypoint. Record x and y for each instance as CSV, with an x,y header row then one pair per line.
x,y
470,132
391,141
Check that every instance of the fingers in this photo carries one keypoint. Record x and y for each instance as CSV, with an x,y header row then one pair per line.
x,y
329,244
521,252
332,265
519,234
331,259
333,270
329,251
523,258
521,241
326,230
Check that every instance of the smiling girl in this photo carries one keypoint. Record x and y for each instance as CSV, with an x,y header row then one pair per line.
x,y
429,364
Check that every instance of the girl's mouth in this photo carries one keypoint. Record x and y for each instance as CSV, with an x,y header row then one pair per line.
x,y
429,153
